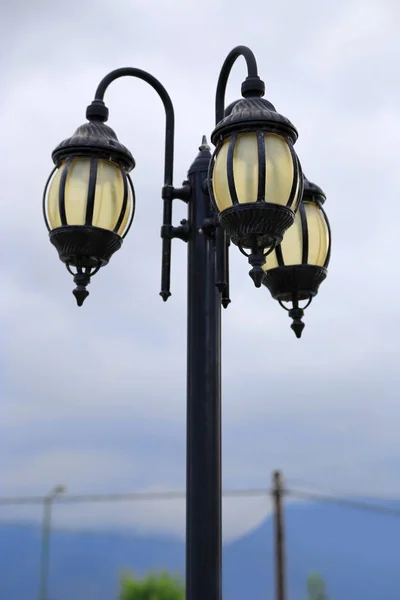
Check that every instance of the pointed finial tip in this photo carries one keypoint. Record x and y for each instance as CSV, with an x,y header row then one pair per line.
x,y
298,327
80,295
165,295
257,274
204,144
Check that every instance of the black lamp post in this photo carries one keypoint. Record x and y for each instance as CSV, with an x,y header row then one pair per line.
x,y
248,191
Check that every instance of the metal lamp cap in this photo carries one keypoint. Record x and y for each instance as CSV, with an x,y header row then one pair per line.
x,y
249,114
312,192
95,139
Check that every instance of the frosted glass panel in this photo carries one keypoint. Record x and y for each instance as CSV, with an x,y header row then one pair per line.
x,y
292,247
109,196
280,170
53,213
128,211
220,179
245,167
108,200
292,244
318,234
76,191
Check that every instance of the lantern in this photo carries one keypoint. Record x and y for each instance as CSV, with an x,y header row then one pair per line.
x,y
255,177
297,266
89,201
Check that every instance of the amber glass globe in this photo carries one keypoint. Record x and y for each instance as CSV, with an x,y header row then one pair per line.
x,y
298,265
91,192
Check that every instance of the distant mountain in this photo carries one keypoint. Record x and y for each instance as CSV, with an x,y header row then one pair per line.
x,y
358,554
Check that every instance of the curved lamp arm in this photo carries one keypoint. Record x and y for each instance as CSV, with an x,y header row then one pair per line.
x,y
252,85
98,111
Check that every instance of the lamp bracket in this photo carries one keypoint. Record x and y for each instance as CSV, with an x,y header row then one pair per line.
x,y
210,225
169,192
181,232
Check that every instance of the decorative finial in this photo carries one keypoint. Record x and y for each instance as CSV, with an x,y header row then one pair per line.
x,y
257,260
80,292
257,274
226,302
204,145
296,314
165,295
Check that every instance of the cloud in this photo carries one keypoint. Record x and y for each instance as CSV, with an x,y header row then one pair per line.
x,y
160,517
84,471
98,394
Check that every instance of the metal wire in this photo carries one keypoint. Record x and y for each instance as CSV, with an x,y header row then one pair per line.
x,y
180,495
354,504
118,497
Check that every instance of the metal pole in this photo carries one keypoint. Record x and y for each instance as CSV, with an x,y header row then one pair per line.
x,y
46,530
279,536
203,491
45,549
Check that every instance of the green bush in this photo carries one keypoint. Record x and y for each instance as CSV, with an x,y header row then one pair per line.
x,y
155,586
316,588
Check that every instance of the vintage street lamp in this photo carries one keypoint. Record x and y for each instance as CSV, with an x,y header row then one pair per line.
x,y
248,191
89,201
255,182
297,266
255,175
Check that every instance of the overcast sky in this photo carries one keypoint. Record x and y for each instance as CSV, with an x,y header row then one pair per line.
x,y
95,397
